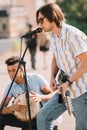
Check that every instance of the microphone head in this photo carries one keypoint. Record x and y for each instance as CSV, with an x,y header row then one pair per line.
x,y
39,30
29,34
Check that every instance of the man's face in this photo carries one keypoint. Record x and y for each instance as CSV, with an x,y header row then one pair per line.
x,y
44,23
12,70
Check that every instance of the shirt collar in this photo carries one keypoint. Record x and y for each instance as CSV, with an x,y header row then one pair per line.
x,y
63,32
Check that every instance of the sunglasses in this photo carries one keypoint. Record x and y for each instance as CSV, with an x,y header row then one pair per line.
x,y
40,20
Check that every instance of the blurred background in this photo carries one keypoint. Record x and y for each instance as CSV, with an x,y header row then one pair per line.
x,y
14,16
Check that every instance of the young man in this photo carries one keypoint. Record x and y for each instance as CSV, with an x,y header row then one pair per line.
x,y
37,86
69,46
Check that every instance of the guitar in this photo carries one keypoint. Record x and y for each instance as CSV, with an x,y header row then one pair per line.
x,y
65,96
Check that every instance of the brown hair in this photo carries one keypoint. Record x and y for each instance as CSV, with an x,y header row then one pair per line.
x,y
52,12
12,60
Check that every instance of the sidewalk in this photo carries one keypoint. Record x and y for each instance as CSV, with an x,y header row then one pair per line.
x,y
68,122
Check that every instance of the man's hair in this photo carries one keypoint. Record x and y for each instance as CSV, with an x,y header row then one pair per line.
x,y
12,60
52,12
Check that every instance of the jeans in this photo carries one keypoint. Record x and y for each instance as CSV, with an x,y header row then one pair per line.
x,y
11,120
53,109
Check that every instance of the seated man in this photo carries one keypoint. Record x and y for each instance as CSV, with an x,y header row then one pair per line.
x,y
38,88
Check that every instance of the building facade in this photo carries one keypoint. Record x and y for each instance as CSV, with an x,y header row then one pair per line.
x,y
20,13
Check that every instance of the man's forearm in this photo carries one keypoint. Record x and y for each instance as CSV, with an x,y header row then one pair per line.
x,y
48,96
54,69
7,110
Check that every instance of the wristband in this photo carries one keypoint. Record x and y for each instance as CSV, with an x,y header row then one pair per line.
x,y
69,82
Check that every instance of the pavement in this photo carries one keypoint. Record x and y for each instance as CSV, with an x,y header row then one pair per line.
x,y
68,122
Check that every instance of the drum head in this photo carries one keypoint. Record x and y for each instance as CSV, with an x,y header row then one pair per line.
x,y
23,115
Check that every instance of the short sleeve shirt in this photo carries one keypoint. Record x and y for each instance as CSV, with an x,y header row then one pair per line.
x,y
71,43
35,82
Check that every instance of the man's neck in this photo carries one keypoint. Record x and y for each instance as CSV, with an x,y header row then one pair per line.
x,y
57,31
20,81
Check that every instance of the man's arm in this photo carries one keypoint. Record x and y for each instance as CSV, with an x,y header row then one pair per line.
x,y
4,104
82,68
54,67
47,96
80,71
10,109
54,71
48,93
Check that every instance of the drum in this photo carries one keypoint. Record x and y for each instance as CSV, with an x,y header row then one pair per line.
x,y
23,114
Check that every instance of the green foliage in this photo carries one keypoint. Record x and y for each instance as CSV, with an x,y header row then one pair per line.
x,y
80,25
75,12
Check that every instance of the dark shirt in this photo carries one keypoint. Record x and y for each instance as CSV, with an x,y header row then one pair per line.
x,y
32,41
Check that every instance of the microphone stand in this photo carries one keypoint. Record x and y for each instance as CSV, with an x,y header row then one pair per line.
x,y
27,97
26,88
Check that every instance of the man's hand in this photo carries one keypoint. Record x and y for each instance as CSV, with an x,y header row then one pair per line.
x,y
35,96
63,87
53,84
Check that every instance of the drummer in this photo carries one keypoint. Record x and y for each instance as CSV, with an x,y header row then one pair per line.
x,y
37,86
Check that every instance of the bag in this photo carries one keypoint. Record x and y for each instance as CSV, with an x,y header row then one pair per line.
x,y
45,47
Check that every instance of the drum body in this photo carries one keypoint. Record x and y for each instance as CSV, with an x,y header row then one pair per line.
x,y
23,114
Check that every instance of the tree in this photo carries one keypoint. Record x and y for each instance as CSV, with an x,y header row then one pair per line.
x,y
75,12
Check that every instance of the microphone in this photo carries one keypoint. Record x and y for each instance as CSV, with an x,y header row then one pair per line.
x,y
27,35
